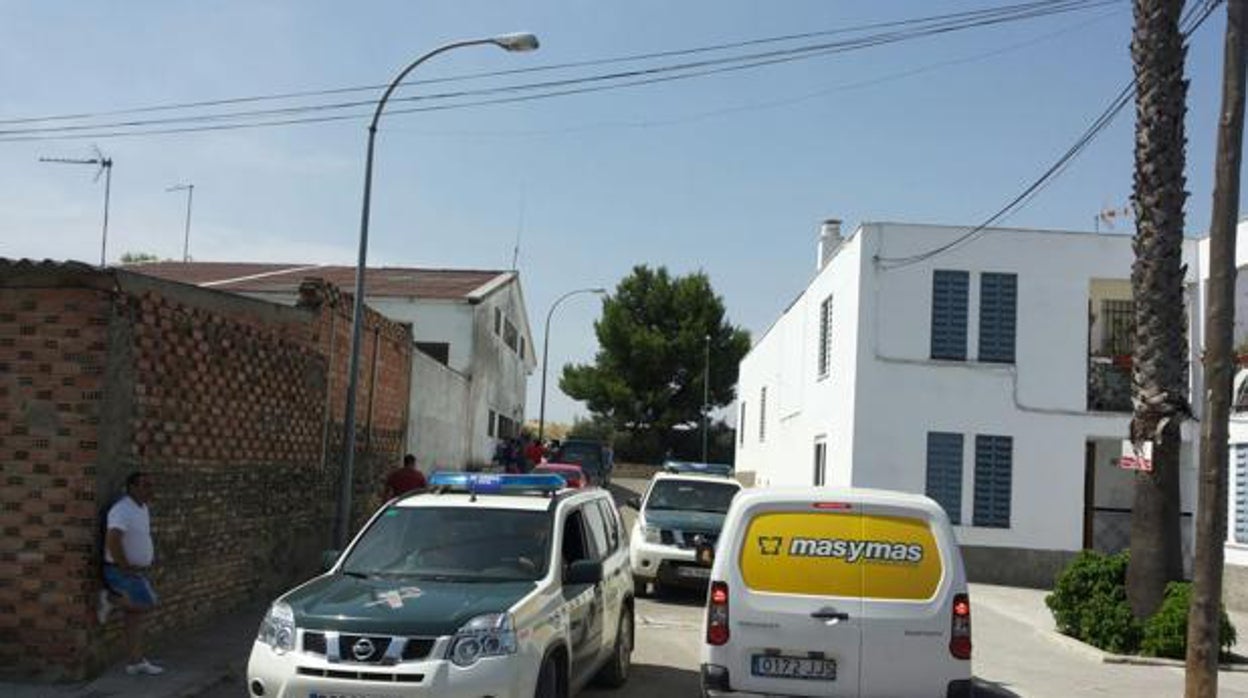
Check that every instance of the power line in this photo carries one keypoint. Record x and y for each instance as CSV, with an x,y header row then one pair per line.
x,y
646,76
1045,6
1124,97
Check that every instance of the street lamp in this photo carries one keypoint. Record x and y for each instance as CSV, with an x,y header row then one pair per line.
x,y
541,419
706,394
190,197
342,524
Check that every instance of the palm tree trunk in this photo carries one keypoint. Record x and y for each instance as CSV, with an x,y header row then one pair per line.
x,y
1159,374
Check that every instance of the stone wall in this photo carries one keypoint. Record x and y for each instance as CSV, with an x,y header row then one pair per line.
x,y
233,405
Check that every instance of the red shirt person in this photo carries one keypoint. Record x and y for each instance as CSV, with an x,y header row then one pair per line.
x,y
405,479
534,453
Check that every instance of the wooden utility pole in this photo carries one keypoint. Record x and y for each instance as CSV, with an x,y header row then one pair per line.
x,y
1204,616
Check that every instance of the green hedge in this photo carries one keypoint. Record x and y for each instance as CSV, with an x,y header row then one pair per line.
x,y
1089,603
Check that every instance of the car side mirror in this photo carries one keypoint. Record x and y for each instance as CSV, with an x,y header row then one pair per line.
x,y
704,554
328,558
633,503
583,572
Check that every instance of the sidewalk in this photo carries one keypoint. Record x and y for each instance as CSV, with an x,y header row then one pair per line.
x,y
1018,649
193,662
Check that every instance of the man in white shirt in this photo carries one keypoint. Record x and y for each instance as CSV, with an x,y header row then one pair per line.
x,y
128,553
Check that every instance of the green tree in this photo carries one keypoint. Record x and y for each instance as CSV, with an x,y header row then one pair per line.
x,y
138,258
654,337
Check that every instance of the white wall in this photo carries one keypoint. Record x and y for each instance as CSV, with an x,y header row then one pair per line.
x,y
435,320
801,406
499,374
438,415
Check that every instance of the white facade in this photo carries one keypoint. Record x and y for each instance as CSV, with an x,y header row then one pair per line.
x,y
883,393
455,409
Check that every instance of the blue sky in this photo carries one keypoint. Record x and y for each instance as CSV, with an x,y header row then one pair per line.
x,y
730,173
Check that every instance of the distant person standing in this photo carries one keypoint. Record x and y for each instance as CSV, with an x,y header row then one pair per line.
x,y
405,479
534,453
128,555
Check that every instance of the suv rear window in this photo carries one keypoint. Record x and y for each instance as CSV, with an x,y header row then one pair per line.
x,y
853,555
454,543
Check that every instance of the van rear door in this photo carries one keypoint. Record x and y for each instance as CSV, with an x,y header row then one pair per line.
x,y
910,575
798,601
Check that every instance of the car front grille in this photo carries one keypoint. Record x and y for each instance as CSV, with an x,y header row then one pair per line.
x,y
686,539
414,648
360,675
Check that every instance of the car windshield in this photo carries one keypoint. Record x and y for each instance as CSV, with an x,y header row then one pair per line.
x,y
685,495
584,454
460,544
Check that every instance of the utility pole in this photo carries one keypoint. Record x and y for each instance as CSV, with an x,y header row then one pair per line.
x,y
186,237
706,395
105,165
1205,613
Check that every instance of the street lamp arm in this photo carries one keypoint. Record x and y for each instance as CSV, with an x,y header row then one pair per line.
x,y
394,84
541,419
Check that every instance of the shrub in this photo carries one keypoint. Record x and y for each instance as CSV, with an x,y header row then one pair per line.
x,y
1089,603
1165,634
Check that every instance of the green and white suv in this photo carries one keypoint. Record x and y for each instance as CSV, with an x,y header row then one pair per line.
x,y
504,586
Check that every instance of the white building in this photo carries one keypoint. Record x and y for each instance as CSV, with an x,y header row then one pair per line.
x,y
993,376
470,375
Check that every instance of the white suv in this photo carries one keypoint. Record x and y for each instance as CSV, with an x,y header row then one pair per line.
x,y
676,514
515,587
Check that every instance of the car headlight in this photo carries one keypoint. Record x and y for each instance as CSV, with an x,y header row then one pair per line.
x,y
277,630
490,635
652,534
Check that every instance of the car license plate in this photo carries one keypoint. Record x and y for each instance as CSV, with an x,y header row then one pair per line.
x,y
775,666
694,572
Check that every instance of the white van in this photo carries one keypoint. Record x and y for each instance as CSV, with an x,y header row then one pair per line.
x,y
836,592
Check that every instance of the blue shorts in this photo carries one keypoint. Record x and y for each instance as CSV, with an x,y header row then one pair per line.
x,y
133,586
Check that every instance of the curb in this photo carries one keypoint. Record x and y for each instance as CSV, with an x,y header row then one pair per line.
x,y
1134,660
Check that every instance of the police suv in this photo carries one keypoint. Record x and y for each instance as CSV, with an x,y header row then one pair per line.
x,y
488,585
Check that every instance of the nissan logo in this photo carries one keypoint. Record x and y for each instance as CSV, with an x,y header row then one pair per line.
x,y
362,649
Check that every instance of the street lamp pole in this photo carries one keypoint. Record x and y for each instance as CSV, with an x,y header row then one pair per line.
x,y
541,419
186,238
706,394
342,523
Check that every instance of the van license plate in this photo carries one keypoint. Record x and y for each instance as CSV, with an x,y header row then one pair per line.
x,y
775,666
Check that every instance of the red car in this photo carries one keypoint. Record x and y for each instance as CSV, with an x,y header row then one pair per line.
x,y
570,472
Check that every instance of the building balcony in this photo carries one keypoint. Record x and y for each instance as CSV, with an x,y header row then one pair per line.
x,y
1109,383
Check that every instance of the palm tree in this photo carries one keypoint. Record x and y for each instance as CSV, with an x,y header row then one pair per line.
x,y
1159,374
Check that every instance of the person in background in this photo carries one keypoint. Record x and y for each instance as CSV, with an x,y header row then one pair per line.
x,y
534,454
128,555
405,479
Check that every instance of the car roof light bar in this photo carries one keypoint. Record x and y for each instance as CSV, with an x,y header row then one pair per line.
x,y
489,483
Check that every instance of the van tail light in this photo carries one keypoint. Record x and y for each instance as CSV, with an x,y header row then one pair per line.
x,y
960,637
717,615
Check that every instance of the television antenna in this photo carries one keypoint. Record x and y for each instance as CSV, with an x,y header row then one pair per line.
x,y
104,165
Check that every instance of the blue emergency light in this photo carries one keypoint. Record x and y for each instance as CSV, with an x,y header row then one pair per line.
x,y
488,483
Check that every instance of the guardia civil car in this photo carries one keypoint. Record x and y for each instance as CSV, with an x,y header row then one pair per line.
x,y
488,585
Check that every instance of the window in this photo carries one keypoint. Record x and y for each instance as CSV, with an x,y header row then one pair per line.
x,y
510,336
998,316
994,463
762,415
491,428
522,348
1240,525
949,301
575,546
741,426
944,472
825,336
1117,327
597,527
438,351
613,524
498,321
821,462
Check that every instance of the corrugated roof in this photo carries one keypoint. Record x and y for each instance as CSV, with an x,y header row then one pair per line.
x,y
247,277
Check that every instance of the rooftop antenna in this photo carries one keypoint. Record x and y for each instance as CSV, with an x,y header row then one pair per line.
x,y
515,251
186,238
104,165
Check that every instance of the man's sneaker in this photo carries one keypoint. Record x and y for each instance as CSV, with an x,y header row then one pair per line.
x,y
144,667
104,607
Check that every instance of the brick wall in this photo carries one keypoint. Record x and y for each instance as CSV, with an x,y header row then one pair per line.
x,y
233,405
